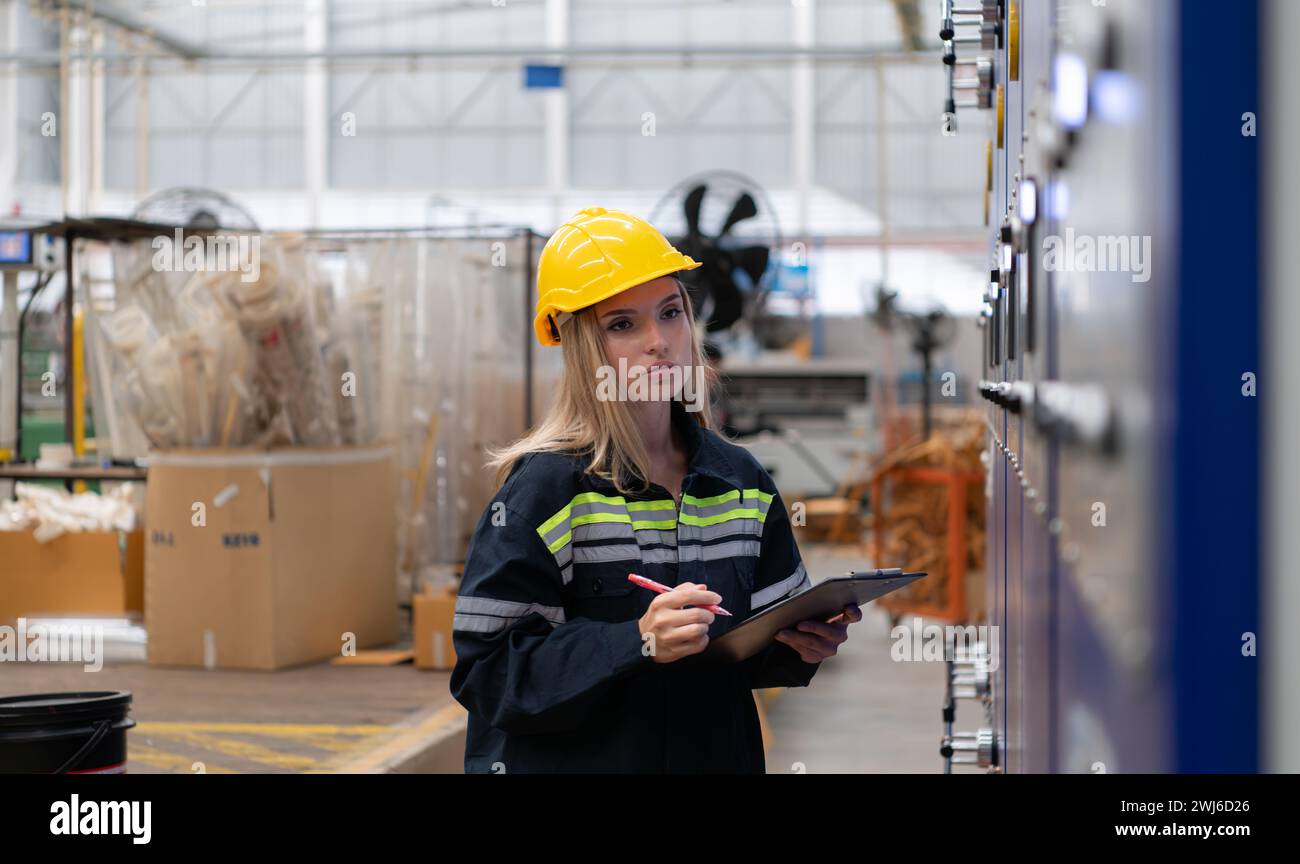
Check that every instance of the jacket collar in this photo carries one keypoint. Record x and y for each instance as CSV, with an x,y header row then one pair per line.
x,y
704,453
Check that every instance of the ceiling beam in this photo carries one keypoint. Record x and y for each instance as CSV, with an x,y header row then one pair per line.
x,y
111,14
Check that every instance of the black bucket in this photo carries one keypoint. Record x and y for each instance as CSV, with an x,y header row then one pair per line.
x,y
64,733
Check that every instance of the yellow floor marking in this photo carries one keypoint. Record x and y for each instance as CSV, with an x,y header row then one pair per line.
x,y
335,744
404,738
342,741
243,750
147,755
285,730
333,738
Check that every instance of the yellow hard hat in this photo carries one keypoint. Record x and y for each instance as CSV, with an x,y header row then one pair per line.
x,y
596,254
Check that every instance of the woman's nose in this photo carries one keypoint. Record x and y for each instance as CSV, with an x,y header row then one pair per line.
x,y
655,341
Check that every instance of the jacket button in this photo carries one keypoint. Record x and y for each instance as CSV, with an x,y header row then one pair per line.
x,y
596,584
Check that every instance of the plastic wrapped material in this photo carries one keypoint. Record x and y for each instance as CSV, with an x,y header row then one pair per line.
x,y
214,360
235,406
49,512
275,313
362,284
339,352
143,388
462,336
416,339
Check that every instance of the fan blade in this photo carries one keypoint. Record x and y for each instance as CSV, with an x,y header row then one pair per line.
x,y
728,305
743,209
691,208
753,260
698,290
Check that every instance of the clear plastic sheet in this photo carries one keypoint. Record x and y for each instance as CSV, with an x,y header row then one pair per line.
x,y
215,359
416,339
276,314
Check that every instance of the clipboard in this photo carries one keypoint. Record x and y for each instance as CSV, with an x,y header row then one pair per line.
x,y
822,601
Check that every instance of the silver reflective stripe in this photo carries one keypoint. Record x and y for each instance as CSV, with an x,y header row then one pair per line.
x,y
596,554
651,536
583,509
555,533
601,531
659,556
478,624
597,507
564,557
566,573
653,515
793,584
734,549
507,608
732,527
485,615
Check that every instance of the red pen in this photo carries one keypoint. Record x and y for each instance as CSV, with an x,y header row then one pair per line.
x,y
664,589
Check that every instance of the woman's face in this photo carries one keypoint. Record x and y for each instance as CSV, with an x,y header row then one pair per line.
x,y
647,327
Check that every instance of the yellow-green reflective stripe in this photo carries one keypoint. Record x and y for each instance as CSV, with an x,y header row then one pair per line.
x,y
583,498
765,497
589,518
709,502
545,527
588,497
658,524
651,505
661,524
705,521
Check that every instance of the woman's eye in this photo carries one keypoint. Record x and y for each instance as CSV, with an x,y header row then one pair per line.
x,y
618,325
672,312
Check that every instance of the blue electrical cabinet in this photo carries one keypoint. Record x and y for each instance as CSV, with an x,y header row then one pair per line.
x,y
1121,347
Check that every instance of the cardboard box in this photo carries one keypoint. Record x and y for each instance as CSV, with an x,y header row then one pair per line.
x,y
266,559
432,615
73,574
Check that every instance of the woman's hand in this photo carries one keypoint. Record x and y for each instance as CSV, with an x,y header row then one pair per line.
x,y
816,640
676,632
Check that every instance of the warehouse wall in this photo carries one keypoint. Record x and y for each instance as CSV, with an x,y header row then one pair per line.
x,y
225,129
37,154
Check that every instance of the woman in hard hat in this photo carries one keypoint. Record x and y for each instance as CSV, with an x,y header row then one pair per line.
x,y
564,663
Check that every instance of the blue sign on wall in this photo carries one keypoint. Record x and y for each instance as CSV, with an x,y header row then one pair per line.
x,y
540,76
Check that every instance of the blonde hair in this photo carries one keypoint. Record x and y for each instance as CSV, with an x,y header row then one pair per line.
x,y
606,430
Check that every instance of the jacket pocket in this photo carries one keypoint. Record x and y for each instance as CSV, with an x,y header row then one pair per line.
x,y
733,580
746,569
602,592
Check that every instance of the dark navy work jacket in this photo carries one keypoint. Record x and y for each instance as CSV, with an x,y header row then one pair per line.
x,y
550,662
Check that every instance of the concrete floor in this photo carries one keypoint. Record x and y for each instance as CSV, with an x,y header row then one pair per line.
x,y
317,718
863,712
